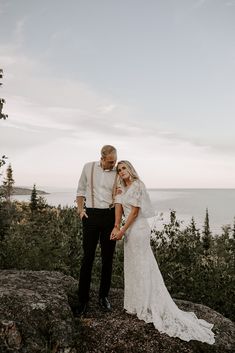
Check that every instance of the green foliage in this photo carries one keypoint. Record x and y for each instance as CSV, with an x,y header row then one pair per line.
x,y
2,116
7,188
8,212
206,234
2,101
34,200
46,240
190,272
50,238
234,228
2,161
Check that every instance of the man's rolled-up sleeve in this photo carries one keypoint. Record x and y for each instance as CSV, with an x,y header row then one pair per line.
x,y
82,183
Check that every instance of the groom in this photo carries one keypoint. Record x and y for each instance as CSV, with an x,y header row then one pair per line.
x,y
96,187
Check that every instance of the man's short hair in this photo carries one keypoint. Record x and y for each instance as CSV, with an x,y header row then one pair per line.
x,y
107,149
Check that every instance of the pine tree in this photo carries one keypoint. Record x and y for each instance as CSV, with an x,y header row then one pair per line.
x,y
2,100
233,231
34,199
2,161
206,233
194,230
2,116
8,184
226,230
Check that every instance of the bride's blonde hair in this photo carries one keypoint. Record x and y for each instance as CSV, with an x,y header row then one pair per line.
x,y
130,169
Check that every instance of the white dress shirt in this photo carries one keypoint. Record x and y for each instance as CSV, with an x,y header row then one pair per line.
x,y
103,182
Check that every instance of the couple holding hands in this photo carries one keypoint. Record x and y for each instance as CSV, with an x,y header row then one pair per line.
x,y
104,194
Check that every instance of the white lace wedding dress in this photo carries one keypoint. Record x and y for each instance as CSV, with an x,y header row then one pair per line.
x,y
145,293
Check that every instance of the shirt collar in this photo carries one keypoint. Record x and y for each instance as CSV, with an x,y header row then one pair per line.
x,y
106,170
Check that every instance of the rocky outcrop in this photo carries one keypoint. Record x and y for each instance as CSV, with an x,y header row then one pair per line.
x,y
36,315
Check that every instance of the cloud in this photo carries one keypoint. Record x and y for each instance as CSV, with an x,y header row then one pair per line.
x,y
4,6
55,125
200,3
107,109
61,34
230,3
19,32
73,123
38,100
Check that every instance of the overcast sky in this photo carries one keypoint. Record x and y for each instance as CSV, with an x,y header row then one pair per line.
x,y
155,78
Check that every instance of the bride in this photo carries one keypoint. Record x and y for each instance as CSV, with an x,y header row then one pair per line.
x,y
145,293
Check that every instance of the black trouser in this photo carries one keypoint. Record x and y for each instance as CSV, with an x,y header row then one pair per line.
x,y
97,226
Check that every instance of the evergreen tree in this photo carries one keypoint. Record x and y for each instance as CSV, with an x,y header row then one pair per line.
x,y
8,184
233,233
2,116
194,230
2,100
34,199
192,234
3,161
174,225
7,208
226,229
206,233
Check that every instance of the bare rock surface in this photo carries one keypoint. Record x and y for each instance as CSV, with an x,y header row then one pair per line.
x,y
36,315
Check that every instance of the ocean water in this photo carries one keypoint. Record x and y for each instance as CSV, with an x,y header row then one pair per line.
x,y
187,203
190,203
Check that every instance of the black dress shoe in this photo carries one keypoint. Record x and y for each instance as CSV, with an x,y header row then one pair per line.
x,y
105,304
81,309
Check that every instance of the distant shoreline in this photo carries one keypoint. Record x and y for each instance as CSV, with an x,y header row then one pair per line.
x,y
17,190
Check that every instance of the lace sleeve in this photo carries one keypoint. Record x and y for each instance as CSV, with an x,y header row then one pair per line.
x,y
134,195
139,197
146,205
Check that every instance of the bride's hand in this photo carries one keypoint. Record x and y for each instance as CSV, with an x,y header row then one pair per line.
x,y
120,234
